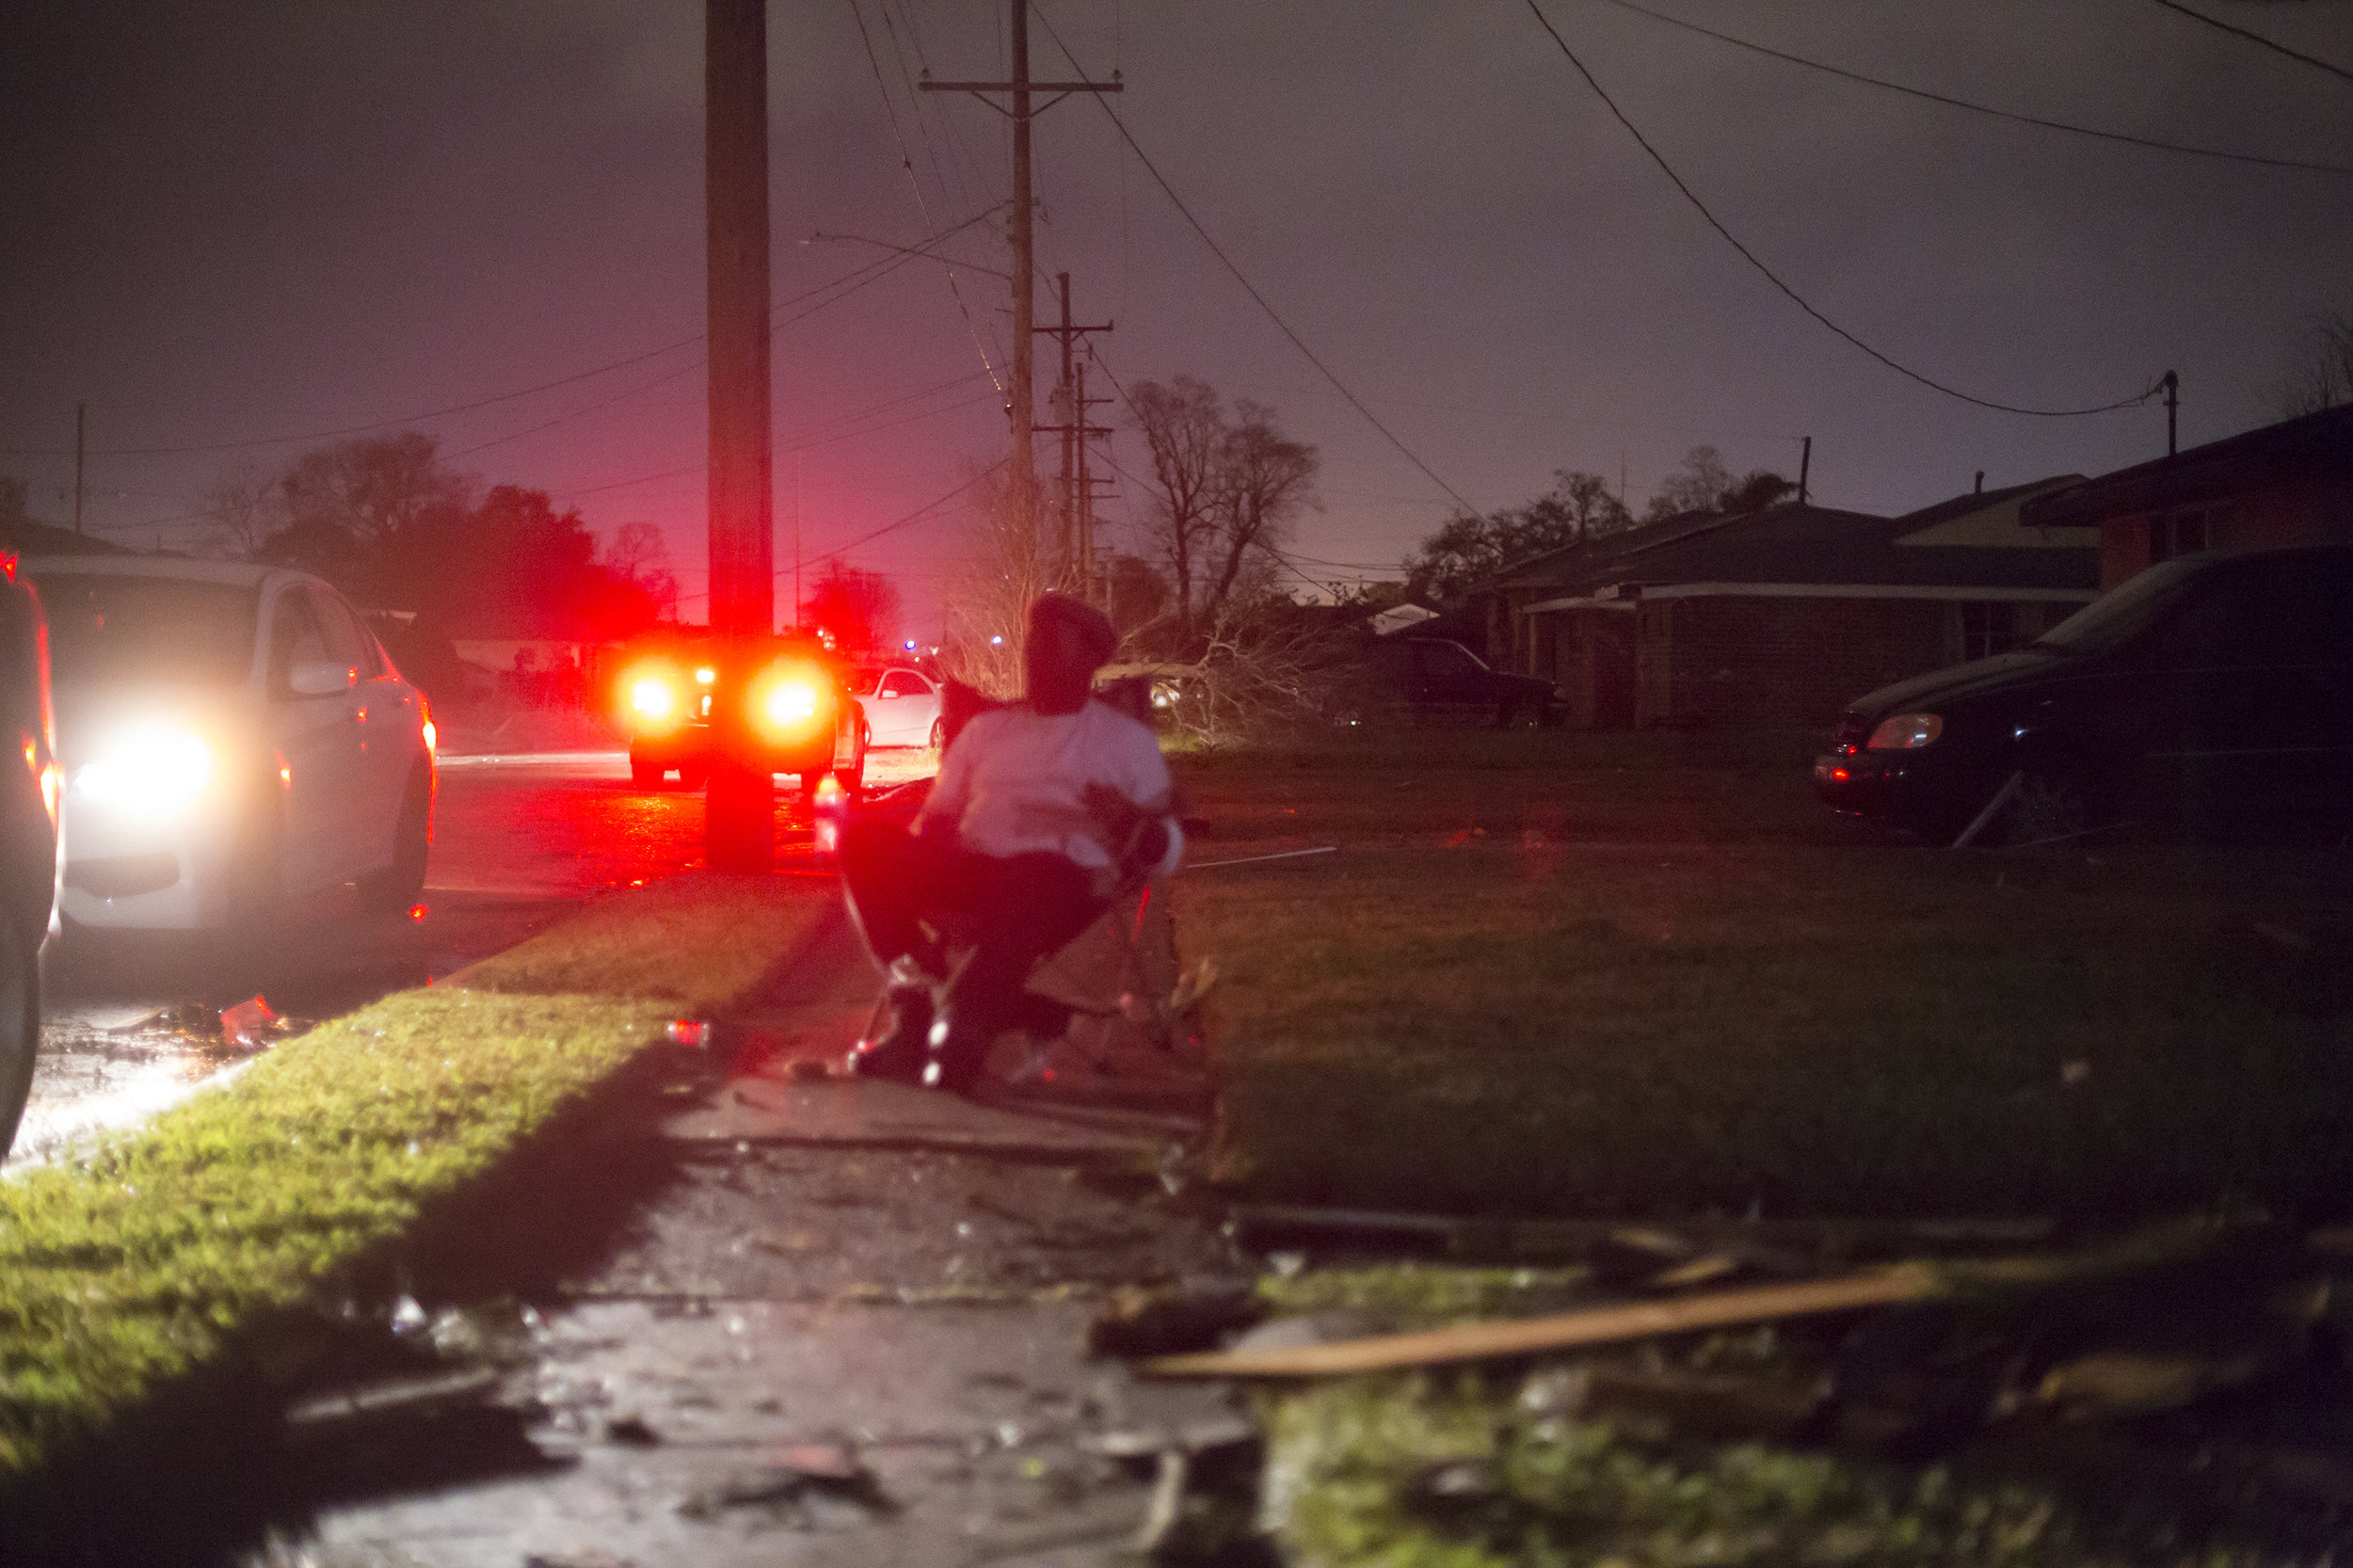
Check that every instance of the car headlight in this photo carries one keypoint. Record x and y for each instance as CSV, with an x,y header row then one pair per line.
x,y
152,772
1905,732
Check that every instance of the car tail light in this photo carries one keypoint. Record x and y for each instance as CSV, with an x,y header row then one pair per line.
x,y
786,700
651,698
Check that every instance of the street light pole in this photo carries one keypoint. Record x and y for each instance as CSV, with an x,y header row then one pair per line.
x,y
739,809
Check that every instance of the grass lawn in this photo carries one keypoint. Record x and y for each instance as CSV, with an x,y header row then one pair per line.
x,y
1563,974
144,1259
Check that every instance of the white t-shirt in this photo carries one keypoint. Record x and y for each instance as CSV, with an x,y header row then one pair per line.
x,y
1015,783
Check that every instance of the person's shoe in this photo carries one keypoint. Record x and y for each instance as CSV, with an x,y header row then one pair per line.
x,y
901,1052
957,1056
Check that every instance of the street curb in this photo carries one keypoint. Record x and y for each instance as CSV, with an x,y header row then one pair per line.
x,y
103,1348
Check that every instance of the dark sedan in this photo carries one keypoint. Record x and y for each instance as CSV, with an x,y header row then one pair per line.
x,y
28,836
2212,695
1435,681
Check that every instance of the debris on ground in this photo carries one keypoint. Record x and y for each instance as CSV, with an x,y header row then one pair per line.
x,y
2183,1392
250,1025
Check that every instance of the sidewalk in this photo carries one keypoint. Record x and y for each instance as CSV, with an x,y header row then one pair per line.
x,y
840,1324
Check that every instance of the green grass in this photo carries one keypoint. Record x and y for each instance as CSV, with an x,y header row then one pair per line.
x,y
1350,1469
1551,991
139,1261
695,941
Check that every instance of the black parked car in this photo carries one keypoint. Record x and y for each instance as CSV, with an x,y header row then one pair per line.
x,y
28,836
2212,693
1435,681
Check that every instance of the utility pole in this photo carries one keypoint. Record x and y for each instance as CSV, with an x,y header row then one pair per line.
x,y
1805,466
2172,385
1072,415
1024,410
1080,403
81,423
738,812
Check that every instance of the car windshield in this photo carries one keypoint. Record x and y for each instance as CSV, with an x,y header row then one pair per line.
x,y
2113,617
124,628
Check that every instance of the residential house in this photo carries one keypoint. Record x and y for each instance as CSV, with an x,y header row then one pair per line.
x,y
1780,616
2290,483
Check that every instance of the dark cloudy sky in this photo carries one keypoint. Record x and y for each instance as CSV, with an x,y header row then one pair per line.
x,y
239,223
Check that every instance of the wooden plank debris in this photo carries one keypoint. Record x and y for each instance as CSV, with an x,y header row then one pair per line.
x,y
1566,1331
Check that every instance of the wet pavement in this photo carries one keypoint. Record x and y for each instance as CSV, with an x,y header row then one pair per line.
x,y
744,1315
132,1023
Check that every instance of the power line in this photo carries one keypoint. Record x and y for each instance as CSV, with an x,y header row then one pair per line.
x,y
2256,37
916,516
906,162
2149,143
1248,287
1774,278
856,278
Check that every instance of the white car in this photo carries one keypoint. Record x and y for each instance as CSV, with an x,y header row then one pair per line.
x,y
901,707
231,736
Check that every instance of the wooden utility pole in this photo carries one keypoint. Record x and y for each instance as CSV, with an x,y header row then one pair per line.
x,y
739,810
81,425
2172,385
1023,413
1072,414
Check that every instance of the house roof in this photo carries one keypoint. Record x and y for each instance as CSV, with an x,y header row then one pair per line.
x,y
1821,545
2320,443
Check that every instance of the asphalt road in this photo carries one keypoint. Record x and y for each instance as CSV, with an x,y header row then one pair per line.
x,y
132,1024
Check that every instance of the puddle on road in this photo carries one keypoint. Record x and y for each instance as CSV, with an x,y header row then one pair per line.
x,y
89,1079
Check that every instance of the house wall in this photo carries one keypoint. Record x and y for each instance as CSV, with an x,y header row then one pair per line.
x,y
1739,662
1590,654
2310,511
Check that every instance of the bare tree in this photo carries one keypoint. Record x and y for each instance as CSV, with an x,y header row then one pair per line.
x,y
1184,431
2320,369
1264,480
373,488
1009,558
1698,485
638,555
243,507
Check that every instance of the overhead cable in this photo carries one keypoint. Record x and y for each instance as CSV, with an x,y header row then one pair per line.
x,y
858,278
2150,142
2275,47
906,160
1297,341
1794,296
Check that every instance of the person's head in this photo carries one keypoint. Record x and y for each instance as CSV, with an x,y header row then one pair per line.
x,y
1069,641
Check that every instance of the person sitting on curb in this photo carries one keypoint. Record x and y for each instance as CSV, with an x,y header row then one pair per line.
x,y
1042,812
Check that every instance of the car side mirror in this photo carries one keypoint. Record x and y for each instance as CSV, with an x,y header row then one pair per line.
x,y
321,678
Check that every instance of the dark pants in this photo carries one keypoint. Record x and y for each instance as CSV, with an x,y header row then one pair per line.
x,y
920,898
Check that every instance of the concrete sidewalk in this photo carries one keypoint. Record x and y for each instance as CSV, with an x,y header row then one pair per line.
x,y
846,1324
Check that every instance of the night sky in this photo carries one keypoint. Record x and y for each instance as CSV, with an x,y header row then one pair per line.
x,y
239,224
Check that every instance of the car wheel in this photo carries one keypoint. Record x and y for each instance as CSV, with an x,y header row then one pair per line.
x,y
644,774
693,776
398,885
20,1028
853,778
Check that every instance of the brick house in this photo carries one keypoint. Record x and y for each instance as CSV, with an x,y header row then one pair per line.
x,y
1781,616
2290,483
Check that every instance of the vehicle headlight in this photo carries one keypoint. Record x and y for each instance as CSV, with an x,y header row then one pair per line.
x,y
153,771
1905,732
